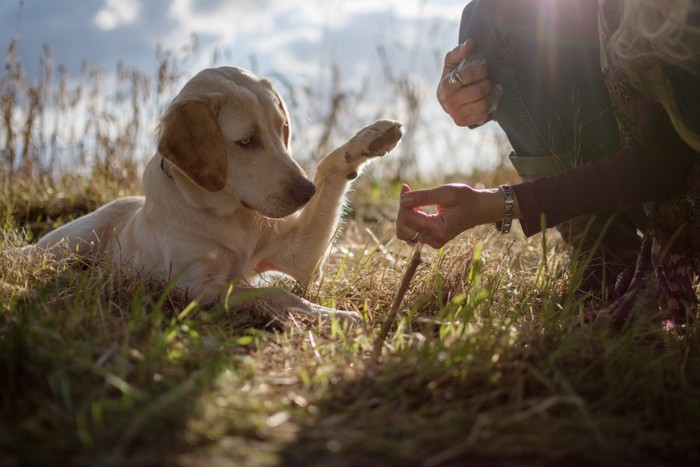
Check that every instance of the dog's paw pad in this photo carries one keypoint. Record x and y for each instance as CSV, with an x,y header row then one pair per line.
x,y
374,140
386,141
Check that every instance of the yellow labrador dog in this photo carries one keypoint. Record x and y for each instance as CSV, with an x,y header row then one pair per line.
x,y
224,199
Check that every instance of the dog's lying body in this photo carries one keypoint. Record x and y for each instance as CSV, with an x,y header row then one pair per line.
x,y
223,195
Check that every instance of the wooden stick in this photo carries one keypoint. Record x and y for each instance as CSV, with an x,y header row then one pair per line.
x,y
393,311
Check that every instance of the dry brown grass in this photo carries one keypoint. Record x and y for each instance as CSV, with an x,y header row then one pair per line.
x,y
488,362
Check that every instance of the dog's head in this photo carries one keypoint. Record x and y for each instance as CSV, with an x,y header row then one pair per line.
x,y
228,132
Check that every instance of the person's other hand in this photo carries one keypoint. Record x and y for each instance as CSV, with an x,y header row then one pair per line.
x,y
467,103
458,207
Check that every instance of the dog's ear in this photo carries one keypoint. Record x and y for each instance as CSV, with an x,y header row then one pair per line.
x,y
287,130
191,139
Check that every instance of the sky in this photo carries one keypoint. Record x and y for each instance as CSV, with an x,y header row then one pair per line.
x,y
294,39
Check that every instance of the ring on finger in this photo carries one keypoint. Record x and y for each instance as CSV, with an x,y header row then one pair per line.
x,y
413,240
454,78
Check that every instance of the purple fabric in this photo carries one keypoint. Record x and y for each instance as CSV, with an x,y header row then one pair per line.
x,y
663,279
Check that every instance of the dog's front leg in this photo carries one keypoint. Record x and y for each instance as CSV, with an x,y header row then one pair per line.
x,y
313,229
276,302
205,282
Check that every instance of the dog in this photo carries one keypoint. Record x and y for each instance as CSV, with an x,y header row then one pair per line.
x,y
224,200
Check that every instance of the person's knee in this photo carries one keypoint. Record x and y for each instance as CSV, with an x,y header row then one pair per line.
x,y
475,23
490,22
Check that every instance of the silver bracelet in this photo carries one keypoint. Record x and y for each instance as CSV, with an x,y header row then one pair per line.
x,y
508,201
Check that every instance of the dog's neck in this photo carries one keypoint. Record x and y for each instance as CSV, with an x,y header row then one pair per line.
x,y
164,184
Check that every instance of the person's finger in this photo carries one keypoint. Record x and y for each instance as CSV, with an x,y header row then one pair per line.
x,y
454,102
408,222
418,198
473,113
472,73
468,110
475,92
415,221
430,228
468,75
455,56
403,230
471,103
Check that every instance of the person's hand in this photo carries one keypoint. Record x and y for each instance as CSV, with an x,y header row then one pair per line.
x,y
466,102
458,207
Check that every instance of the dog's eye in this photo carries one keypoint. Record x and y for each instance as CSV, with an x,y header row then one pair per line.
x,y
247,142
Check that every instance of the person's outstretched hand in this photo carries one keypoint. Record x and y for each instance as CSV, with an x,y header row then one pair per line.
x,y
467,103
458,207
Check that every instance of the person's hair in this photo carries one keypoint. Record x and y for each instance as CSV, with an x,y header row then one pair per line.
x,y
654,33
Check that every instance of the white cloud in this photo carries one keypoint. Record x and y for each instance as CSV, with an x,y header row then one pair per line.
x,y
116,13
293,42
224,21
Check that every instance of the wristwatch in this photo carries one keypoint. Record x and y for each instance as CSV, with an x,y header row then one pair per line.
x,y
508,201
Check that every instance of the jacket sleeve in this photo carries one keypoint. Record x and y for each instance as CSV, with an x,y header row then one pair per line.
x,y
653,167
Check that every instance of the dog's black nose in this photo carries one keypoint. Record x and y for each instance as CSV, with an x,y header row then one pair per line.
x,y
303,191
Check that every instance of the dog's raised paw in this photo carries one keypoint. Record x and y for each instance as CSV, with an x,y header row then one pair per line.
x,y
374,140
389,134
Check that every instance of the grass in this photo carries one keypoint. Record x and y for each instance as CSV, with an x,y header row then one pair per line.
x,y
488,362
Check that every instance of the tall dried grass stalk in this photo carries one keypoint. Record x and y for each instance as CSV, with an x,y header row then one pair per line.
x,y
90,124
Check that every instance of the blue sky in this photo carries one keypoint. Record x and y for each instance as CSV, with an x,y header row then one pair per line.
x,y
298,40
294,37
